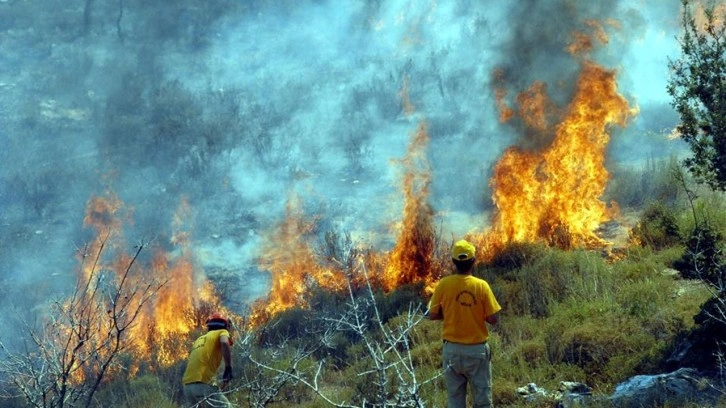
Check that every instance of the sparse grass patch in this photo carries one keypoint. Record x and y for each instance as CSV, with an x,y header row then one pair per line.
x,y
709,207
144,391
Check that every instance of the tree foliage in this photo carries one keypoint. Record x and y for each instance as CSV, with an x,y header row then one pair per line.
x,y
698,89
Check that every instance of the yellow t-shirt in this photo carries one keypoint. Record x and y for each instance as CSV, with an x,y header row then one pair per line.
x,y
464,301
205,357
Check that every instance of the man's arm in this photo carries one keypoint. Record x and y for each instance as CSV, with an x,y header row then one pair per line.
x,y
227,356
435,310
493,319
226,350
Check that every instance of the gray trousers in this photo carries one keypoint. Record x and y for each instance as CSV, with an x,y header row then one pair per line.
x,y
205,395
467,364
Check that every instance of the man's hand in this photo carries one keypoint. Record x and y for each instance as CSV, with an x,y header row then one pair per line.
x,y
227,355
227,376
434,314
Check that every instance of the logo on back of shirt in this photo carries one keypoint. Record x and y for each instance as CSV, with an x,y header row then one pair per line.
x,y
466,298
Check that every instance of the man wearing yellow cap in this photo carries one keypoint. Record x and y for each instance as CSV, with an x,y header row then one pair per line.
x,y
465,302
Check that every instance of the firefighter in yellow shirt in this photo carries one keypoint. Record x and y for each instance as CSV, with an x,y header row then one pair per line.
x,y
465,303
207,353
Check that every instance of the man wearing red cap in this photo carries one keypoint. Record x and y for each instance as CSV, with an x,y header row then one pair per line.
x,y
200,389
465,303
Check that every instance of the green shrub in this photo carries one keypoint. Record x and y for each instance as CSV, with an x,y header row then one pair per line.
x,y
531,352
399,300
705,257
516,255
591,345
291,324
657,228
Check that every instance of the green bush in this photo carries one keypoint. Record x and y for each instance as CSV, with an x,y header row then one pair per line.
x,y
516,255
657,228
400,300
705,257
597,338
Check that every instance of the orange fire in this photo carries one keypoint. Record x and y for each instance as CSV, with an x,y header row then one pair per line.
x,y
550,193
535,108
159,334
553,195
410,260
293,266
582,43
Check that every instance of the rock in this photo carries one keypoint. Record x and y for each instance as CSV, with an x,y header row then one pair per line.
x,y
678,387
531,392
573,394
569,394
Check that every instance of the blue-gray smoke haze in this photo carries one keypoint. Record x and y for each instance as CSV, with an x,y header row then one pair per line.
x,y
237,106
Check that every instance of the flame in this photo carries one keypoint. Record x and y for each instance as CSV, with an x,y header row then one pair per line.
x,y
582,42
410,260
550,194
553,195
160,332
102,215
534,107
292,264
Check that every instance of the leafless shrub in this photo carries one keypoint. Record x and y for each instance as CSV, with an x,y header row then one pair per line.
x,y
392,373
65,362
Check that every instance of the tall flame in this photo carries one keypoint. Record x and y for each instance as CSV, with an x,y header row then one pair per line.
x,y
553,195
159,334
549,193
292,264
410,260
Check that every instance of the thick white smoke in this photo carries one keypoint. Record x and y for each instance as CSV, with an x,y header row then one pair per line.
x,y
275,99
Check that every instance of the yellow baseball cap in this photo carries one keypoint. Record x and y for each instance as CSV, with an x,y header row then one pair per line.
x,y
463,250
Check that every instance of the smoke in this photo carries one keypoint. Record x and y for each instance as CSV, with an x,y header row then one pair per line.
x,y
237,107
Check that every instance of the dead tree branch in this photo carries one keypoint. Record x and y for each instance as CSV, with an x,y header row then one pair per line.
x,y
67,360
